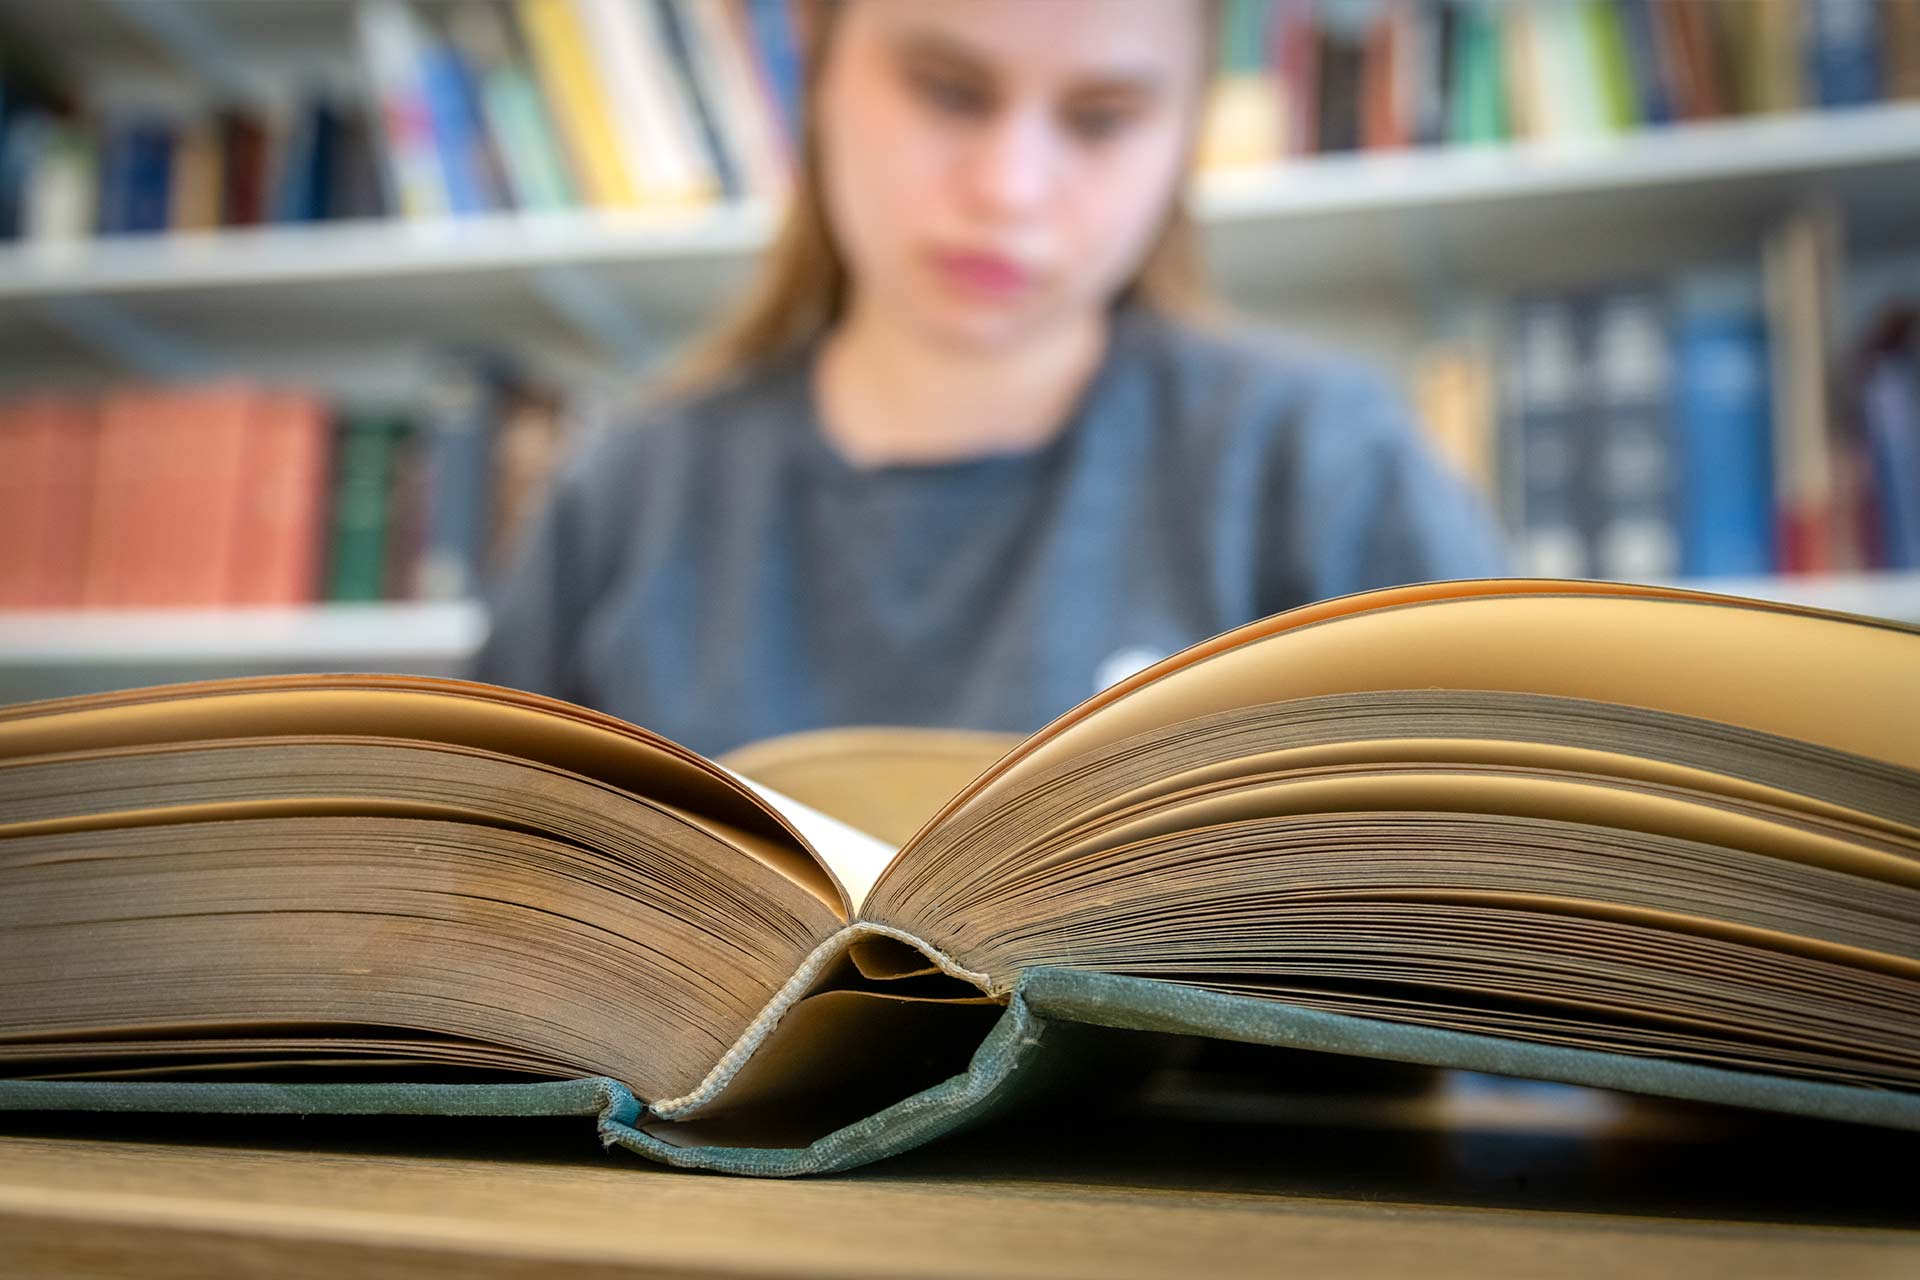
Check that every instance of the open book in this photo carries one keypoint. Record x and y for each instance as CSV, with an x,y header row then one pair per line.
x,y
1611,835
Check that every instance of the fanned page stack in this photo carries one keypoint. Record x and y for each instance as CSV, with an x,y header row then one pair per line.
x,y
1623,836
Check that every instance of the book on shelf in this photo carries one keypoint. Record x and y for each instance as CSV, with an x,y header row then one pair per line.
x,y
1723,407
233,494
1604,835
1721,422
552,104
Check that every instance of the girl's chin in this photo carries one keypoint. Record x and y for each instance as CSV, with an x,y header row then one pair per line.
x,y
983,327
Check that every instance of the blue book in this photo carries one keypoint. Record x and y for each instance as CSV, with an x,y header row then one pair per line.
x,y
1643,60
1843,51
1890,407
459,420
1724,404
306,175
136,166
778,48
459,133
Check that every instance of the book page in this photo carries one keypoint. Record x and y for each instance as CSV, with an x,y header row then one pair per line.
x,y
855,858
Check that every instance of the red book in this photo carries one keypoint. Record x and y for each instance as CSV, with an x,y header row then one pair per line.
x,y
283,490
167,497
46,481
1293,50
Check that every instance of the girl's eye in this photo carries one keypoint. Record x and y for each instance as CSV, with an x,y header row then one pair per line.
x,y
951,95
1094,124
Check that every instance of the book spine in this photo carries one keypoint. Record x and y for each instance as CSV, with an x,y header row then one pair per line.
x,y
26,479
357,541
1900,39
196,179
721,51
1722,392
213,432
1606,42
777,46
565,65
391,45
633,66
528,146
1631,460
135,177
406,515
70,438
1544,394
1646,61
1341,51
696,98
307,172
243,170
122,463
283,503
459,423
355,188
1245,115
1842,47
61,196
1479,111
467,164
1799,266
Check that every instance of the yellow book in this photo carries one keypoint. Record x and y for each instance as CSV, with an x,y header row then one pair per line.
x,y
564,63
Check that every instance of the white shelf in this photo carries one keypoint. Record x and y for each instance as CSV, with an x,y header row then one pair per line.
x,y
1894,595
383,250
400,633
1332,221
1804,142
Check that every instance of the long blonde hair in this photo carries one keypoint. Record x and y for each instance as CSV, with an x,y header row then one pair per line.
x,y
800,287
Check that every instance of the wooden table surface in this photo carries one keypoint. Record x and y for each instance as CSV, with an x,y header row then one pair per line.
x,y
1133,1192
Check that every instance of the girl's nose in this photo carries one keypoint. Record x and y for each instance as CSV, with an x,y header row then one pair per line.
x,y
1011,169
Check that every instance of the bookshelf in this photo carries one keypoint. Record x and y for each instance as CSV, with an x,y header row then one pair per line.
x,y
1403,230
1376,250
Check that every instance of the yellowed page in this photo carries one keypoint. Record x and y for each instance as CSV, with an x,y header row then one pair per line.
x,y
1852,686
885,780
445,711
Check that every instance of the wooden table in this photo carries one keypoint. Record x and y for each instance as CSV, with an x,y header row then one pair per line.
x,y
1165,1190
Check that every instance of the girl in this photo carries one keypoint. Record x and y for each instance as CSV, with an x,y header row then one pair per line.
x,y
970,454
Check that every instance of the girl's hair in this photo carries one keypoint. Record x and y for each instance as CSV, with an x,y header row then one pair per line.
x,y
800,287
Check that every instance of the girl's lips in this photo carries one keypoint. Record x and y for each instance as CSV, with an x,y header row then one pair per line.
x,y
982,273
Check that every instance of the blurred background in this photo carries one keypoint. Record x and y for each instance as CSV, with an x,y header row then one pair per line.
x,y
301,300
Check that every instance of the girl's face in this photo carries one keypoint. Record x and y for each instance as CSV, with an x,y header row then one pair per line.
x,y
992,168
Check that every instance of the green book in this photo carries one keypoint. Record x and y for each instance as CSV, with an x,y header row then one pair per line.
x,y
357,545
1631,837
1479,107
1606,50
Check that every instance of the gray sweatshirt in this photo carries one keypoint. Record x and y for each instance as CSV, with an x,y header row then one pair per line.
x,y
719,573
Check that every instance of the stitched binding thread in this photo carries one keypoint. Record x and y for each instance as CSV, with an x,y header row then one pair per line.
x,y
789,994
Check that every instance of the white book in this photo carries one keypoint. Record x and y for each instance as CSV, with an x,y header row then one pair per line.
x,y
390,43
639,84
746,118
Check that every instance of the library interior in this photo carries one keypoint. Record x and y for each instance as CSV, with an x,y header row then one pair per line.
x,y
903,402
